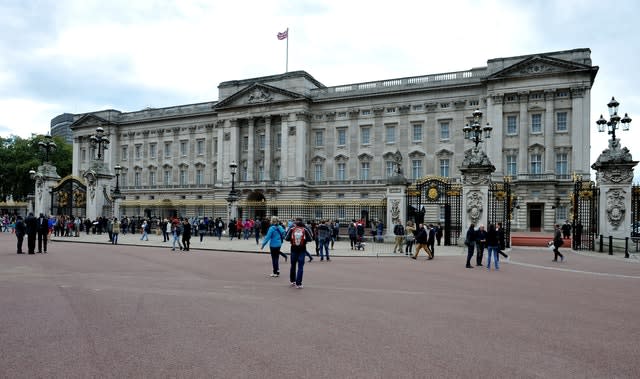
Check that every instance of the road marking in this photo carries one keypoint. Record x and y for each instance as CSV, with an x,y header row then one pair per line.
x,y
575,271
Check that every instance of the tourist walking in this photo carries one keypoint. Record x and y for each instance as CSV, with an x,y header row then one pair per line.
x,y
421,242
557,242
492,247
439,233
202,229
351,231
431,239
176,232
145,231
470,243
298,235
274,237
501,241
186,234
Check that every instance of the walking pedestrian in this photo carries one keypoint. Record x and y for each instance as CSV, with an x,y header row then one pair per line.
x,y
324,237
501,241
202,229
557,242
421,242
145,233
275,237
186,234
176,232
351,231
298,235
470,243
492,247
439,233
431,239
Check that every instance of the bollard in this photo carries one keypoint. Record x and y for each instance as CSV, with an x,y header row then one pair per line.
x,y
601,240
610,245
626,247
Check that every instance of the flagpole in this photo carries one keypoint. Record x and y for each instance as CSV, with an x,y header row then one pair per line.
x,y
287,64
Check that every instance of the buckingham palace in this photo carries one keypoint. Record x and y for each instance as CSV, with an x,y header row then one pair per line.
x,y
289,139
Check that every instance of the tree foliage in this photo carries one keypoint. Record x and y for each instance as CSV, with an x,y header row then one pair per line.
x,y
19,155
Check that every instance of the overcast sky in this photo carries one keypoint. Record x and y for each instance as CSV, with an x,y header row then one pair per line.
x,y
82,56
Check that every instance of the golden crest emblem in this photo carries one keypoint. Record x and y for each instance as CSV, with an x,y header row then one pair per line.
x,y
433,194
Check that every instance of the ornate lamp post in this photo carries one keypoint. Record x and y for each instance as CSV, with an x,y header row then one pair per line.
x,y
47,146
118,170
614,120
474,130
233,195
99,141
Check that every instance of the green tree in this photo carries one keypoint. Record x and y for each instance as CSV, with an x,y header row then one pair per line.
x,y
19,155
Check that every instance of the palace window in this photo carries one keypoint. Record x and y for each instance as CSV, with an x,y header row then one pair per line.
x,y
536,164
318,172
561,122
319,138
512,125
262,141
153,150
416,169
444,131
136,179
391,133
183,177
389,168
200,147
444,167
199,177
536,123
365,135
167,149
364,170
245,143
152,178
342,136
341,171
183,148
391,110
562,164
138,151
124,153
417,107
83,155
366,112
278,141
511,165
416,132
166,179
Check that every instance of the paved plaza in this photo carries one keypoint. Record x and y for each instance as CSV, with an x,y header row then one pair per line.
x,y
89,309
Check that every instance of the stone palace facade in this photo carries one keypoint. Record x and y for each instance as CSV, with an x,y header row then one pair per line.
x,y
294,139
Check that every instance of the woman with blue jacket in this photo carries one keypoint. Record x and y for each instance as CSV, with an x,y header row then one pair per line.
x,y
274,237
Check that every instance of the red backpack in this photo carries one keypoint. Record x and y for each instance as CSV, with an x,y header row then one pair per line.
x,y
298,236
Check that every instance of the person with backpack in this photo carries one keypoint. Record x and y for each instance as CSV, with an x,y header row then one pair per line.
x,y
398,231
299,234
275,237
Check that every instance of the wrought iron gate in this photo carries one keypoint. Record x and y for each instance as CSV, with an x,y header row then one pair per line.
x,y
432,200
500,207
585,215
69,198
635,212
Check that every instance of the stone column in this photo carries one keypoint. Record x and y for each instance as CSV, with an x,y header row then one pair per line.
x,y
614,176
300,160
45,179
476,172
496,142
549,135
98,180
251,151
267,149
523,133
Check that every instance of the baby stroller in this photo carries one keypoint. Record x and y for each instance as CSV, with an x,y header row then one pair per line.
x,y
359,243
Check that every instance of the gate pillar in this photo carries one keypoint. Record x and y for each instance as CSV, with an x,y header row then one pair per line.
x,y
614,176
396,207
45,179
98,180
476,172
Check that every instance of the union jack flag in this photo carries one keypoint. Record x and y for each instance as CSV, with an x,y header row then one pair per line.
x,y
283,35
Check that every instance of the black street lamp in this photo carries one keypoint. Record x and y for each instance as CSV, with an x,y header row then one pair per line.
x,y
47,146
100,141
117,169
614,120
474,130
233,196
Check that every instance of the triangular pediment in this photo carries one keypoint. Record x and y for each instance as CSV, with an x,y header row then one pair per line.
x,y
89,120
540,65
258,94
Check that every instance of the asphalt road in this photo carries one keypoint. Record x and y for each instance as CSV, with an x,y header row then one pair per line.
x,y
89,310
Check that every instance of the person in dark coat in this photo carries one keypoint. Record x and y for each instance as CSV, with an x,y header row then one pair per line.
x,y
431,239
481,243
557,242
32,229
21,230
470,242
493,245
501,240
186,234
422,238
43,233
